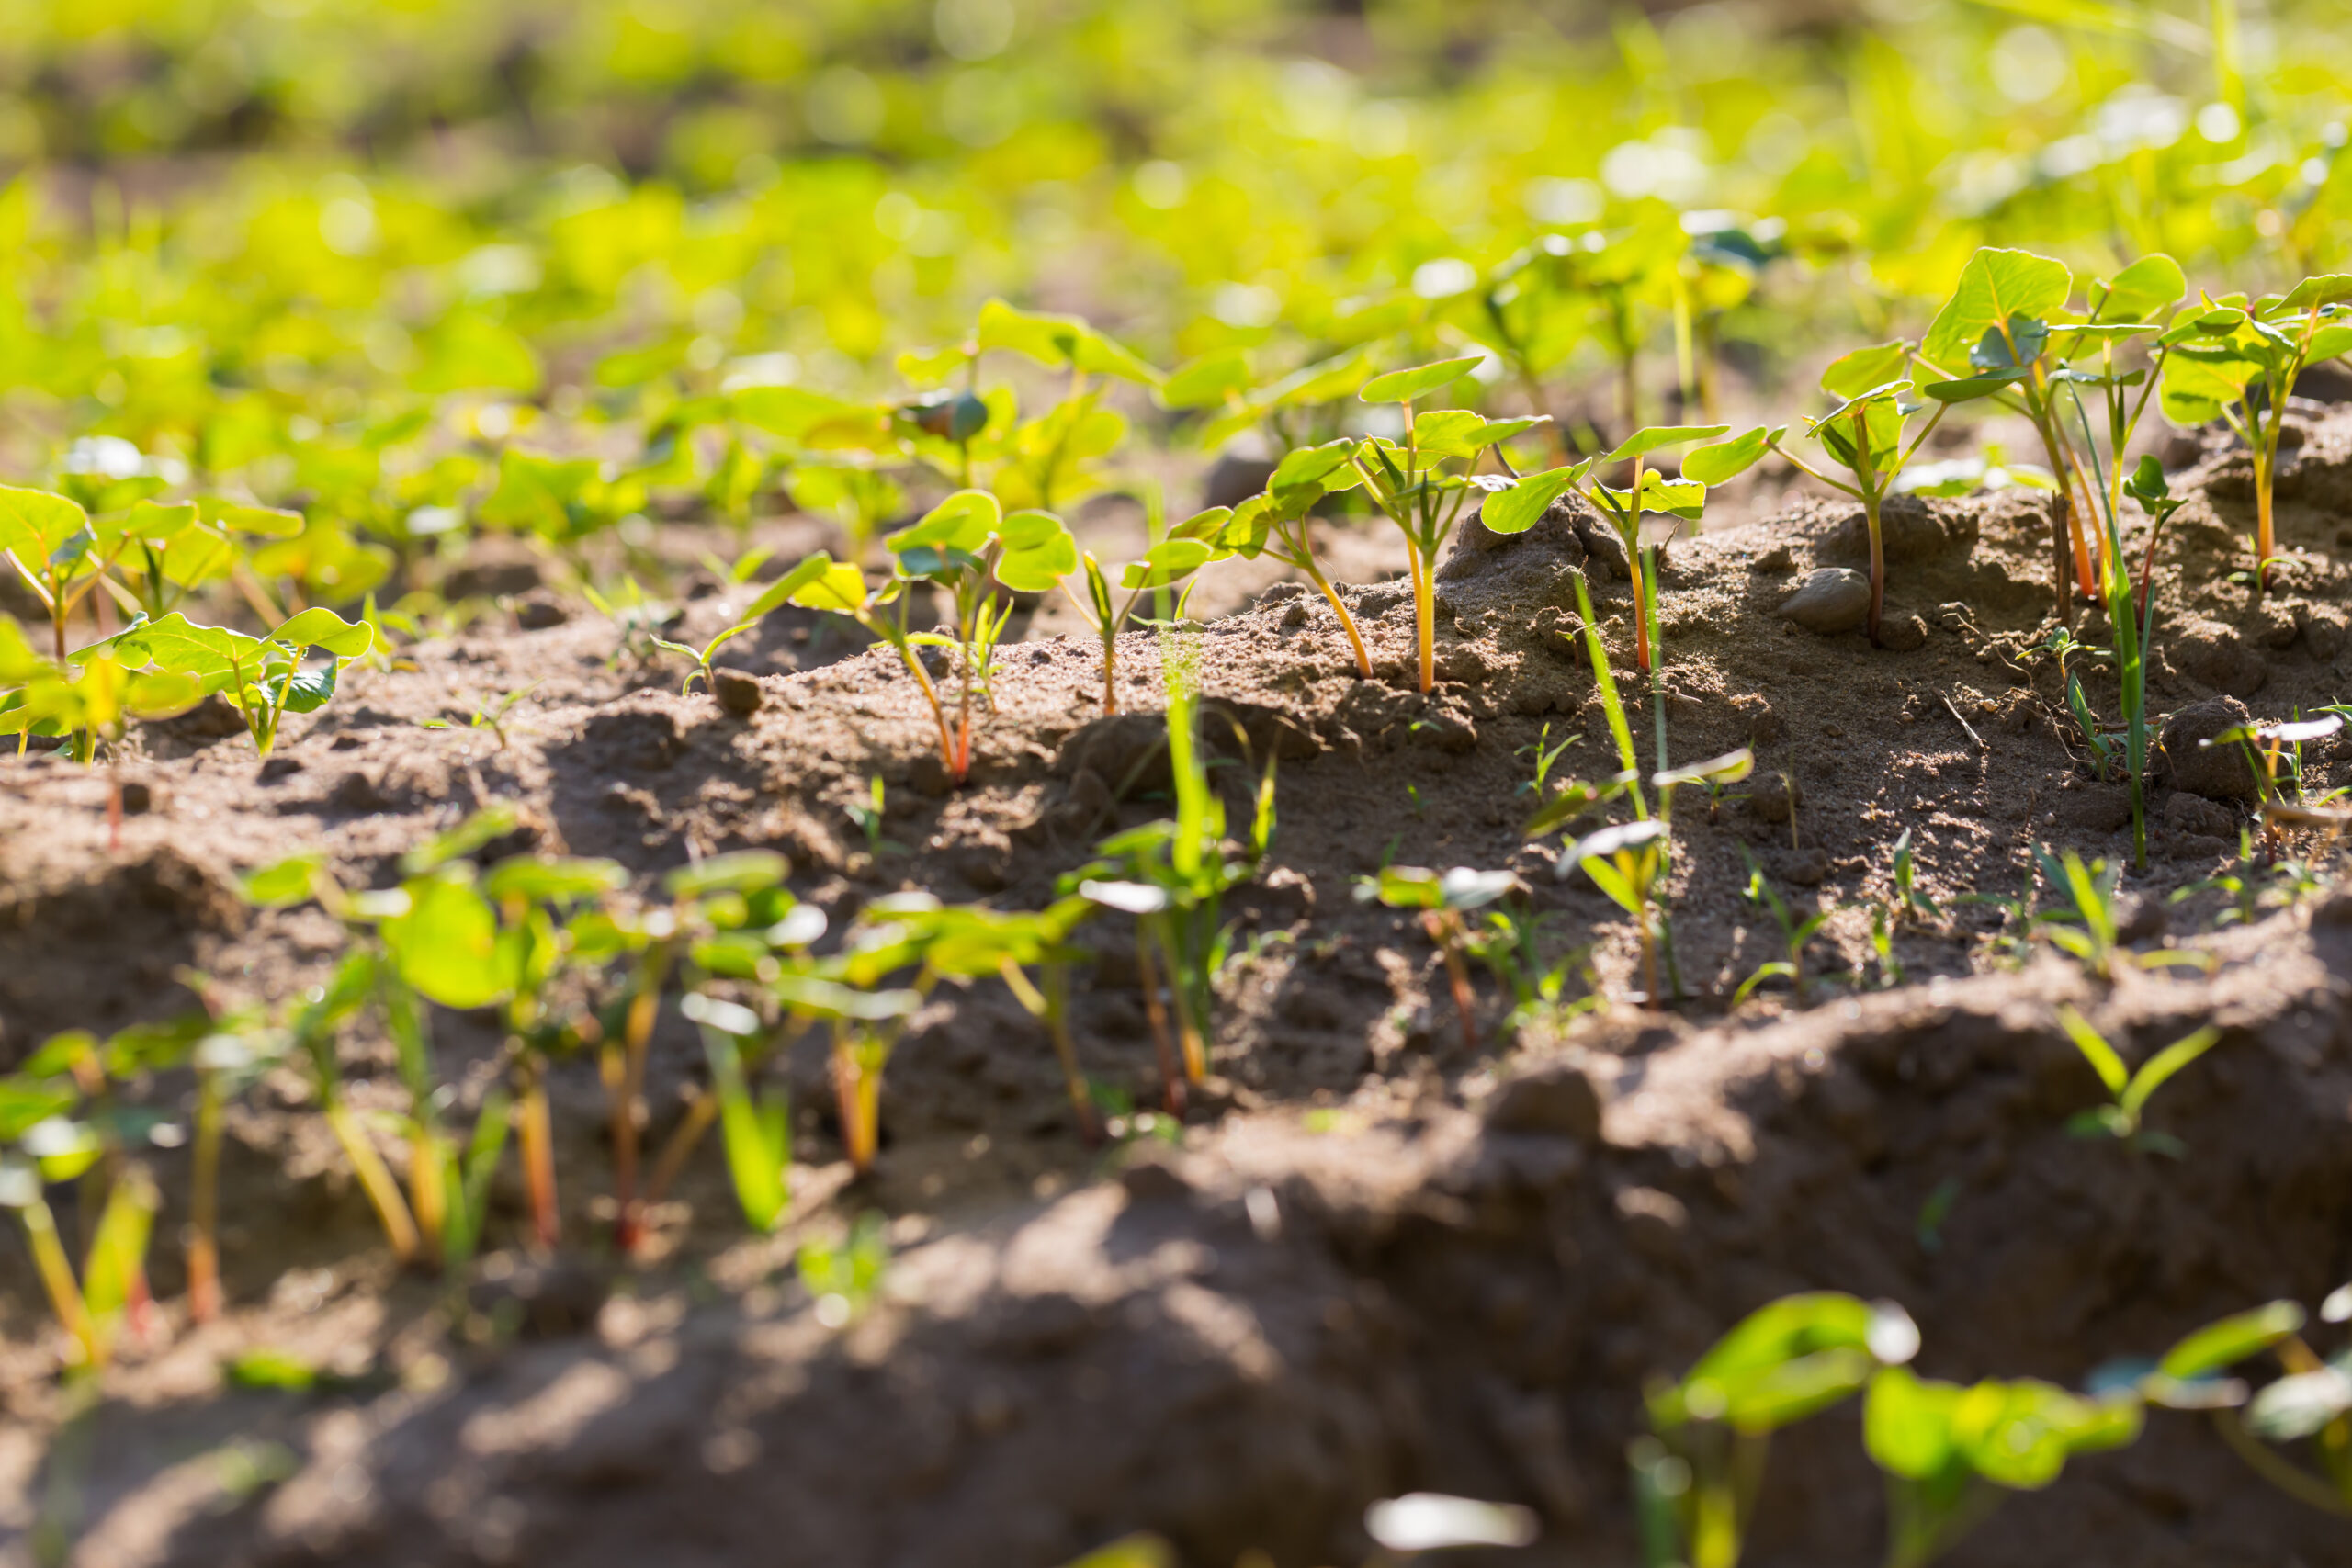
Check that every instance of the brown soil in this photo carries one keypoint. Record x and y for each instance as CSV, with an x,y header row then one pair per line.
x,y
1375,1263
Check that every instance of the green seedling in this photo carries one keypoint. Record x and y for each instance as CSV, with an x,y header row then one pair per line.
x,y
1172,877
1171,563
1508,942
1440,902
2084,926
1517,504
1951,1452
869,815
1276,523
637,622
1863,436
970,547
92,1308
1698,1476
264,677
1628,863
2306,1414
2130,1091
773,597
2237,359
1409,484
846,1276
755,1125
1542,754
1910,902
490,715
1794,934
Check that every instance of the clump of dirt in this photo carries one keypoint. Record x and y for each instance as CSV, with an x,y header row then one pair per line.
x,y
1374,1262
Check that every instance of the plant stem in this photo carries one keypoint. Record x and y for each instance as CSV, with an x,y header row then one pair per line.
x,y
1424,615
1444,928
57,1277
536,1134
1871,500
383,1193
699,1115
1110,670
1347,621
204,1204
1056,976
2264,455
1156,1012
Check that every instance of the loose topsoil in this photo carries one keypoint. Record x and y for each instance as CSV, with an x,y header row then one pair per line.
x,y
1374,1262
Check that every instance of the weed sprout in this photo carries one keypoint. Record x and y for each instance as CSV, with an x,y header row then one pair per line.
x,y
2130,1091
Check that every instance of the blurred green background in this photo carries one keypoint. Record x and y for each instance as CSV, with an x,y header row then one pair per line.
x,y
297,208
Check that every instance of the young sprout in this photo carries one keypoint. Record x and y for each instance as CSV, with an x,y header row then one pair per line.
x,y
970,547
1863,436
2274,754
2312,1403
869,816
784,591
755,1126
1190,546
1627,863
1442,902
489,715
1507,943
1794,934
2238,360
92,1308
1952,1453
1408,483
846,1276
2085,926
1275,522
1698,1475
1176,873
262,677
2130,1091
1910,902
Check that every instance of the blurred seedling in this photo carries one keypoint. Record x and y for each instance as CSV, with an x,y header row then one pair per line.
x,y
1796,932
490,715
1953,1452
755,1125
846,1276
1509,943
869,816
91,1308
1441,903
2083,924
1700,1473
2296,1431
2130,1091
638,621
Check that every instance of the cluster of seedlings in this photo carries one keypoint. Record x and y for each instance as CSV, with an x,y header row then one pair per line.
x,y
575,962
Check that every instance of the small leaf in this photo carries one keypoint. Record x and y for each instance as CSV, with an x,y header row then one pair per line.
x,y
2232,1340
2093,1047
1410,384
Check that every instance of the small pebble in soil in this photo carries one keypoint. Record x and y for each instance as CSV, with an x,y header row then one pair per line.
x,y
137,798
1833,599
737,692
275,768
